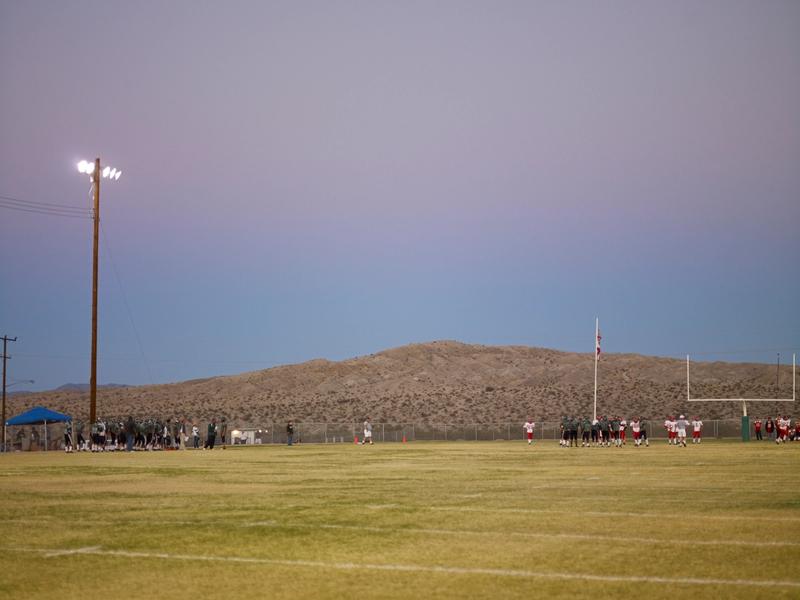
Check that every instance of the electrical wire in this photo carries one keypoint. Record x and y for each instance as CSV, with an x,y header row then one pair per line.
x,y
127,306
52,213
264,364
44,208
35,203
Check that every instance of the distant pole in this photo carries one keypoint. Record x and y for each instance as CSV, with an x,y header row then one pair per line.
x,y
93,379
596,356
688,395
778,377
6,339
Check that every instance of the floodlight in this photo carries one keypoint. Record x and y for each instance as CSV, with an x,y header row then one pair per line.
x,y
89,168
117,175
82,166
113,172
106,171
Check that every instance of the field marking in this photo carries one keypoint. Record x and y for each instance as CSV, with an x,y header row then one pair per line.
x,y
687,516
526,534
456,532
85,550
410,568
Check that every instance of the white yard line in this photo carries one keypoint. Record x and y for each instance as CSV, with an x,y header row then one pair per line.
x,y
464,532
531,535
591,513
512,573
85,550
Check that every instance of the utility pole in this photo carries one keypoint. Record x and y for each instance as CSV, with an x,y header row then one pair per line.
x,y
96,216
6,339
778,377
95,174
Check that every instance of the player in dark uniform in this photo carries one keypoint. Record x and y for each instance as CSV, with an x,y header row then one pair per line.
x,y
615,431
604,431
574,424
223,432
68,436
211,434
586,430
81,439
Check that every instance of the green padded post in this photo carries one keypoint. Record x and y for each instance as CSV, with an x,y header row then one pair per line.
x,y
745,428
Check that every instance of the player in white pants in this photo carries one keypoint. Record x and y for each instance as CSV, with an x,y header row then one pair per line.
x,y
697,428
680,426
529,427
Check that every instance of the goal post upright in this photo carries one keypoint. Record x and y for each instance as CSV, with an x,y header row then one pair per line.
x,y
744,401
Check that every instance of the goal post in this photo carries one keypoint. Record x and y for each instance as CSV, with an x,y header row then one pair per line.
x,y
744,401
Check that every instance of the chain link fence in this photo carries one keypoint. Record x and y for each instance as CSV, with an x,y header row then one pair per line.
x,y
330,433
32,438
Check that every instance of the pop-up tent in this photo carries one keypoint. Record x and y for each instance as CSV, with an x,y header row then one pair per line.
x,y
38,415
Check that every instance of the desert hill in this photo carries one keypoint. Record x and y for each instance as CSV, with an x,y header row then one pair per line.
x,y
441,382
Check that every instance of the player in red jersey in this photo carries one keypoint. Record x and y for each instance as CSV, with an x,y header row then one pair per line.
x,y
638,428
672,430
783,429
769,426
697,428
757,427
529,428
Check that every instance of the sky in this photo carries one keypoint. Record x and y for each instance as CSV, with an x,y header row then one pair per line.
x,y
331,179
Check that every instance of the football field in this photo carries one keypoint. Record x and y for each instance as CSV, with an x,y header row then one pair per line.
x,y
418,520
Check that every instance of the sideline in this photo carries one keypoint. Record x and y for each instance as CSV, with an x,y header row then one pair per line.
x,y
592,513
95,551
526,534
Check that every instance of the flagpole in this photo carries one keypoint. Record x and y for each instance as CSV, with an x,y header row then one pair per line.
x,y
596,333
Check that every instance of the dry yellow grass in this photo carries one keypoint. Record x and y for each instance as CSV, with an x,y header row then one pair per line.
x,y
480,519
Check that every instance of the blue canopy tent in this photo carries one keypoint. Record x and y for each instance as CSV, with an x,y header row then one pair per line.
x,y
38,415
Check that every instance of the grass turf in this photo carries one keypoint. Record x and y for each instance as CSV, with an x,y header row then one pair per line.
x,y
475,519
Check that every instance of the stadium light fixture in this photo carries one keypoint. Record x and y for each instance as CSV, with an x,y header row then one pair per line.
x,y
107,172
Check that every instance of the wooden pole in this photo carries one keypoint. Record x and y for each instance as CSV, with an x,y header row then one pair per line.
x,y
96,176
6,339
596,356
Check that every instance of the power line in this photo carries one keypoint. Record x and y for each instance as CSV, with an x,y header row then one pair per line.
x,y
187,360
125,300
51,213
35,203
44,208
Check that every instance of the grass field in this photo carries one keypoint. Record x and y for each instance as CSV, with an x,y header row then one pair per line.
x,y
478,520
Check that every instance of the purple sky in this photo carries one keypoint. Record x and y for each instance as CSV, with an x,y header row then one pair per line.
x,y
330,179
